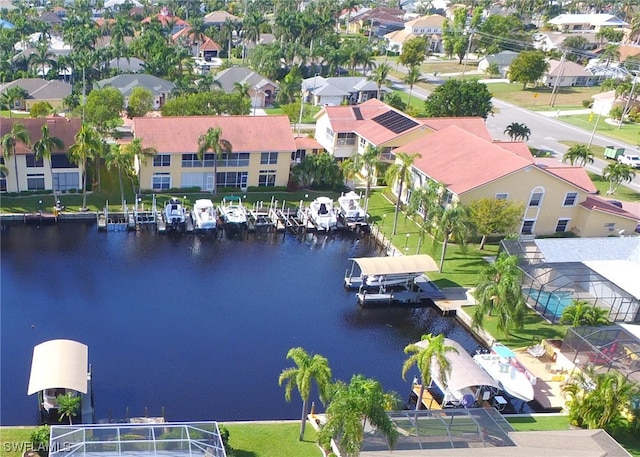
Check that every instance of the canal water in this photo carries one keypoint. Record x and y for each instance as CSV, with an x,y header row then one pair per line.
x,y
196,325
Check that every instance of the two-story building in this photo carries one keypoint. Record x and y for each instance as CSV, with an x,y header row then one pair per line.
x,y
429,26
262,148
26,172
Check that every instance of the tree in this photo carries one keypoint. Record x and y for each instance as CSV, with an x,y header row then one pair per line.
x,y
413,52
499,289
429,352
11,95
135,150
87,145
412,77
40,109
617,173
576,45
213,141
453,222
351,406
400,172
9,142
380,76
367,162
459,98
43,149
528,67
494,216
140,102
103,108
582,313
307,370
578,154
517,131
68,405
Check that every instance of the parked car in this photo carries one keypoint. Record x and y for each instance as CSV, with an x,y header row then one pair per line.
x,y
629,159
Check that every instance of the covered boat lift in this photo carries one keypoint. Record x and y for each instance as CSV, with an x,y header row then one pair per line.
x,y
58,367
387,271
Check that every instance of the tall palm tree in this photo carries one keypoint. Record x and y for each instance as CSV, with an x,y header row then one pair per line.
x,y
213,141
88,144
119,29
116,156
135,150
401,172
42,59
454,222
367,162
380,76
412,77
43,149
9,142
499,289
578,154
617,173
307,370
429,352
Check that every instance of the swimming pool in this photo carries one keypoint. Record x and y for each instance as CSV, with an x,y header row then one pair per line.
x,y
549,304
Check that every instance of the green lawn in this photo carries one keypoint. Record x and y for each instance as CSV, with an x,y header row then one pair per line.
x,y
12,438
272,440
538,98
307,113
623,193
538,423
628,133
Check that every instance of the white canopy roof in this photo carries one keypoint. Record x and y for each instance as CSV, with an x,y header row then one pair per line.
x,y
59,364
622,273
396,265
465,372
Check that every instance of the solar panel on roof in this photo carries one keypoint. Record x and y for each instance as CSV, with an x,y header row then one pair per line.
x,y
358,113
395,122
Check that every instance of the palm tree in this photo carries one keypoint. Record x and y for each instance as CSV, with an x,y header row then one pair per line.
x,y
429,352
427,200
616,174
578,153
367,162
43,149
42,59
135,150
213,141
10,96
380,76
88,144
351,406
453,221
516,131
68,405
499,289
241,89
412,77
308,369
596,317
574,313
401,172
9,142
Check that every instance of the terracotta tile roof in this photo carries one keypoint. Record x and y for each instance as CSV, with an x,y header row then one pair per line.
x,y
177,135
592,203
517,147
573,175
459,159
165,20
210,45
64,128
473,125
304,142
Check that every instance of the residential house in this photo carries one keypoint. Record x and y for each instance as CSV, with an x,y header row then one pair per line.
x,y
51,18
335,91
127,64
557,197
261,90
117,4
502,60
377,21
567,74
261,157
166,19
603,102
305,146
125,83
27,173
218,18
586,22
39,90
201,47
553,41
429,26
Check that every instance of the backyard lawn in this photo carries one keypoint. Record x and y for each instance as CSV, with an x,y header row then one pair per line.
x,y
623,193
272,440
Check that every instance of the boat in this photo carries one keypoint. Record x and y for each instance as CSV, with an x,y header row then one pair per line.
x,y
232,211
204,215
175,214
510,375
322,214
350,210
387,271
60,367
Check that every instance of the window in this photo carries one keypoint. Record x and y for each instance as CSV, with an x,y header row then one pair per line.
x,y
162,160
502,196
527,227
61,161
562,224
35,181
232,179
161,181
267,178
329,134
346,139
363,143
268,158
240,159
3,178
610,226
298,155
33,163
190,161
536,198
570,199
66,181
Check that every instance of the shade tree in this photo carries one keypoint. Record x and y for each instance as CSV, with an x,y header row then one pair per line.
x,y
494,216
528,67
459,98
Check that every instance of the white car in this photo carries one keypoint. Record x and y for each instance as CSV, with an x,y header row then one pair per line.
x,y
631,160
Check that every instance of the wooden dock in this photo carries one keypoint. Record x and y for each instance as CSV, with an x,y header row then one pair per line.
x,y
427,399
397,297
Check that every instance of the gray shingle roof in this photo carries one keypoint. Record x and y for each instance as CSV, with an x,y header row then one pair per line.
x,y
227,78
126,83
41,89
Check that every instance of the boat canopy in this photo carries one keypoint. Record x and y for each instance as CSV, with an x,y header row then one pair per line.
x,y
371,266
59,364
465,372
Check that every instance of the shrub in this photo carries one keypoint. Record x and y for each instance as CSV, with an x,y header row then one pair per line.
x,y
40,440
587,103
616,112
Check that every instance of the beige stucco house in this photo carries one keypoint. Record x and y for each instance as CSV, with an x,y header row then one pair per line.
x,y
429,26
261,157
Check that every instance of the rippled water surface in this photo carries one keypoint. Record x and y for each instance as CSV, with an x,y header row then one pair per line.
x,y
197,325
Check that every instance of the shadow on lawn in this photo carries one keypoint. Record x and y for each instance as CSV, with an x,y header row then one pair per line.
x,y
242,453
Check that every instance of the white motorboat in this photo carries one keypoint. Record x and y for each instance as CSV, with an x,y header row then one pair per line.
x,y
350,209
322,214
232,211
204,215
513,378
175,214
